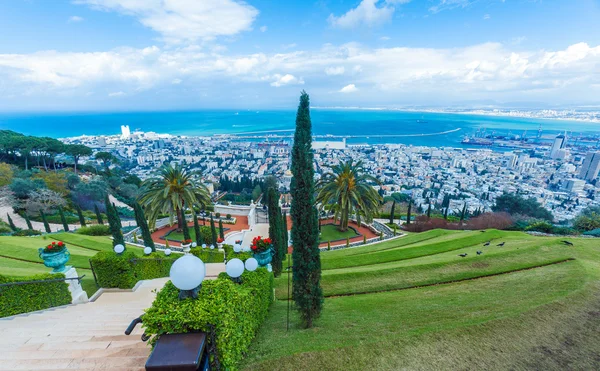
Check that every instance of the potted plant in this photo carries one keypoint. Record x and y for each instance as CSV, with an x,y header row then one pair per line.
x,y
220,242
262,250
55,256
185,245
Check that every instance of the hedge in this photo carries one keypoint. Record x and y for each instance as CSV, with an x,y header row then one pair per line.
x,y
94,230
17,299
233,311
125,270
230,254
208,255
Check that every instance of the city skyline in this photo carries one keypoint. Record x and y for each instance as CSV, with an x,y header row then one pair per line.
x,y
177,54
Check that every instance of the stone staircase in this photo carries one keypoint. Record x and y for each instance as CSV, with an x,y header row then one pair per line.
x,y
85,336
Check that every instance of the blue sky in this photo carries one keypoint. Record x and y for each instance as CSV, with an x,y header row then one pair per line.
x,y
187,54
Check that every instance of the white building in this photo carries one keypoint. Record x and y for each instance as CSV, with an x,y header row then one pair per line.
x,y
591,166
125,132
327,144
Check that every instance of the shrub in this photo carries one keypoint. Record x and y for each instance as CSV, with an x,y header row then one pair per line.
x,y
125,270
228,216
543,227
230,254
94,230
207,255
218,215
18,299
233,311
27,233
594,232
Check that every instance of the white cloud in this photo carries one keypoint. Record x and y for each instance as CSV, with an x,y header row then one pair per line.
x,y
75,19
116,94
350,88
486,16
287,79
366,13
385,38
184,20
333,71
263,28
450,4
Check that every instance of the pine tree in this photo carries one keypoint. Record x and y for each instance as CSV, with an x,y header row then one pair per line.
x,y
307,291
11,224
213,231
275,231
285,230
29,226
63,219
80,215
46,225
408,216
113,222
429,212
184,226
221,230
197,230
142,222
98,215
392,212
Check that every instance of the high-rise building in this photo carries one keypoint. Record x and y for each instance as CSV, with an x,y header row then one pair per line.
x,y
560,142
125,132
591,166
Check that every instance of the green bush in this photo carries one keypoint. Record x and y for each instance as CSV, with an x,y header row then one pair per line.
x,y
27,233
230,254
228,216
208,255
94,230
125,270
5,229
593,232
18,299
233,311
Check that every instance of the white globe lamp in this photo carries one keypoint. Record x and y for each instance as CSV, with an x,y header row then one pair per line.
x,y
212,247
187,274
194,244
251,264
168,252
147,250
119,248
235,268
237,248
204,246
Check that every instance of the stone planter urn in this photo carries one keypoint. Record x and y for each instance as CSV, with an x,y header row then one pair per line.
x,y
264,258
186,248
55,260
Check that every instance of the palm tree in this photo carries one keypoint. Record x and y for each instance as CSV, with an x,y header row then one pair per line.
x,y
346,191
171,193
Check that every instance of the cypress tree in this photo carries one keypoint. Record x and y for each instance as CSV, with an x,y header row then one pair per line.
x,y
113,222
63,219
29,226
46,225
80,215
184,226
117,216
285,231
463,213
429,212
364,239
213,231
275,231
140,219
11,223
197,230
98,214
221,230
446,213
408,212
307,292
392,212
347,241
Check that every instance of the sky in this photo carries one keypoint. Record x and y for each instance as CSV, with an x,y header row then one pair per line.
x,y
128,55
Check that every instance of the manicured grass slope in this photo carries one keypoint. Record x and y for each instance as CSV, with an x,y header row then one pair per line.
x,y
330,232
533,299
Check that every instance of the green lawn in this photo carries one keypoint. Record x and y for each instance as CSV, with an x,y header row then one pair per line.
x,y
331,232
414,303
19,255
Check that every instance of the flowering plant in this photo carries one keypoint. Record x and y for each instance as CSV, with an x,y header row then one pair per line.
x,y
219,240
260,244
187,242
55,247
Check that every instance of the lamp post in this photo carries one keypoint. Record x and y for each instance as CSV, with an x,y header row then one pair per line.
x,y
119,249
187,274
235,268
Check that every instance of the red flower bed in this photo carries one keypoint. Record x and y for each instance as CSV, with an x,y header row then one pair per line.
x,y
55,247
260,244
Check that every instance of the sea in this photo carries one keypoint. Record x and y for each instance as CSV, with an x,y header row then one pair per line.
x,y
360,126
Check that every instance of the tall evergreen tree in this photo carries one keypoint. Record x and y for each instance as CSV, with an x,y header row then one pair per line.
x,y
113,222
197,230
63,219
463,213
11,224
98,214
213,231
80,215
142,222
429,211
446,213
117,216
184,226
285,230
392,212
275,231
408,216
29,226
221,230
307,291
45,221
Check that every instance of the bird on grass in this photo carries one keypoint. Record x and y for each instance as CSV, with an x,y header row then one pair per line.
x,y
487,243
479,252
501,244
462,255
569,243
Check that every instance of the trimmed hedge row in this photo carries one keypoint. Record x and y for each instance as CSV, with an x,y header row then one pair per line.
x,y
230,254
208,255
125,270
233,311
17,299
